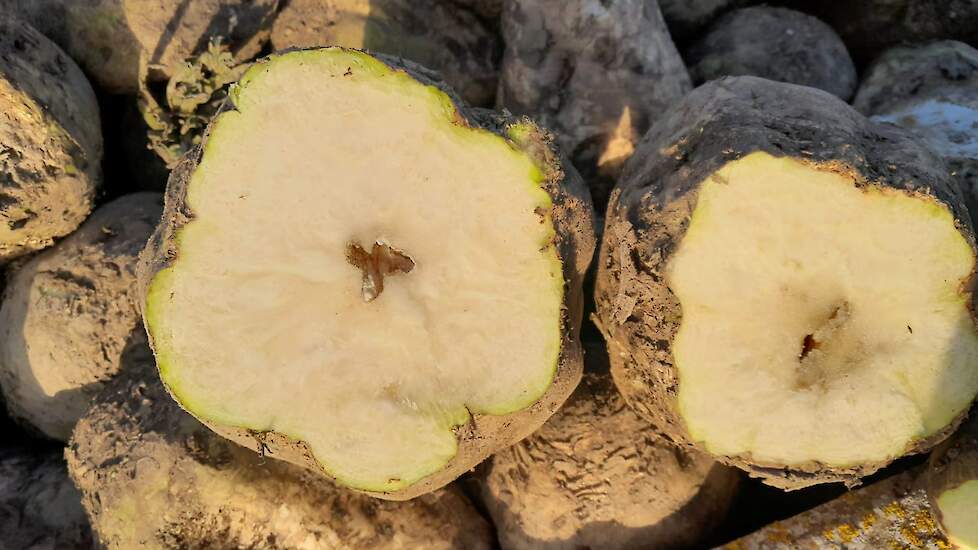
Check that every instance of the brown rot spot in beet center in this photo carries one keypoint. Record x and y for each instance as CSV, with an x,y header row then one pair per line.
x,y
382,261
829,328
821,350
807,345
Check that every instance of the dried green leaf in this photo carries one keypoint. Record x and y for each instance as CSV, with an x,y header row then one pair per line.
x,y
177,117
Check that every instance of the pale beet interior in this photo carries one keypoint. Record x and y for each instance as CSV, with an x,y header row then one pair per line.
x,y
262,320
821,321
959,511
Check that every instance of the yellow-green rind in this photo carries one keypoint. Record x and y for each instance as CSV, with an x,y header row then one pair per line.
x,y
959,514
549,183
651,206
921,205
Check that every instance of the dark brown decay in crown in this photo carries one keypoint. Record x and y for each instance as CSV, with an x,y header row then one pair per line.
x,y
381,261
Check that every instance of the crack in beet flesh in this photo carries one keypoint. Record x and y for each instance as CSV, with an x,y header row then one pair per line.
x,y
382,261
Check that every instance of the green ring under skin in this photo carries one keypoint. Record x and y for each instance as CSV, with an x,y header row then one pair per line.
x,y
159,287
